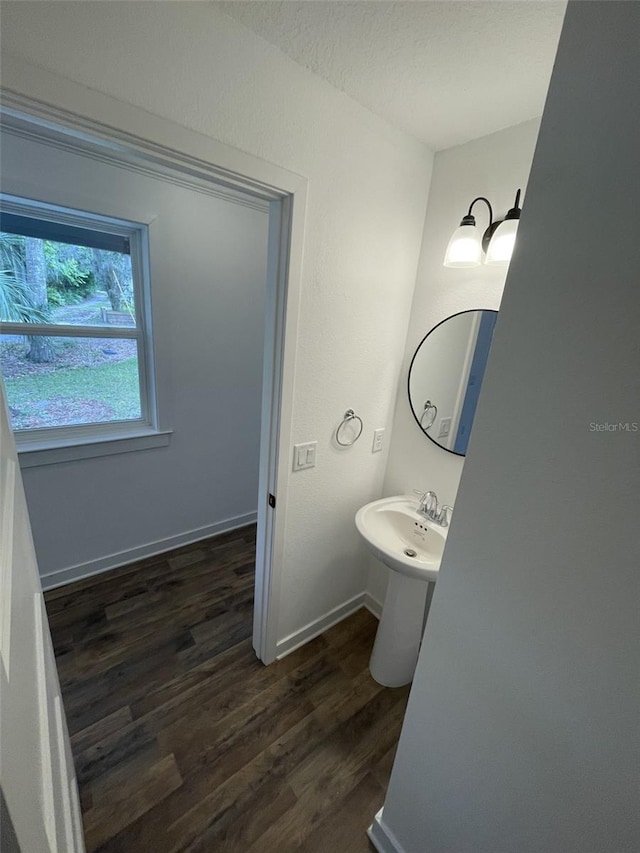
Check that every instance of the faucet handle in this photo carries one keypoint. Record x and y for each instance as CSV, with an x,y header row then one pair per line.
x,y
444,518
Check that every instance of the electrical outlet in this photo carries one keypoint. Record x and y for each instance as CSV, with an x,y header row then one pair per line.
x,y
378,436
304,455
445,427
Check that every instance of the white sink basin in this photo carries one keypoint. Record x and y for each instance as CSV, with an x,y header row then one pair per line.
x,y
412,547
400,538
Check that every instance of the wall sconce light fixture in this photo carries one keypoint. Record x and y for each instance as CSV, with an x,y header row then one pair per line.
x,y
466,245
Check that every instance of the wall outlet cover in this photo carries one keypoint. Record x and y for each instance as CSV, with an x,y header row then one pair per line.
x,y
445,427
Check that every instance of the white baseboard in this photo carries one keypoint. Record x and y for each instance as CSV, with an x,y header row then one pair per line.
x,y
381,836
373,605
318,626
122,558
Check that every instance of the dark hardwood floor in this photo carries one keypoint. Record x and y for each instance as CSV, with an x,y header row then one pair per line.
x,y
184,741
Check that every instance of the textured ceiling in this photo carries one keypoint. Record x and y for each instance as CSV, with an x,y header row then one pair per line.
x,y
445,72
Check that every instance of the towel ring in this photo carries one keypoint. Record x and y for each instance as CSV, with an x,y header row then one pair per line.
x,y
429,409
349,416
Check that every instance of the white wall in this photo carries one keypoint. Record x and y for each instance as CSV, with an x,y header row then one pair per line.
x,y
368,185
522,726
493,166
208,274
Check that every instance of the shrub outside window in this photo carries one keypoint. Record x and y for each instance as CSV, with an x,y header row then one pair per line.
x,y
74,324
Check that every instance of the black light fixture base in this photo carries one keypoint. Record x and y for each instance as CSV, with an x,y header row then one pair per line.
x,y
516,210
488,234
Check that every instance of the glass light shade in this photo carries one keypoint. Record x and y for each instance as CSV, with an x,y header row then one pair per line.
x,y
501,246
465,248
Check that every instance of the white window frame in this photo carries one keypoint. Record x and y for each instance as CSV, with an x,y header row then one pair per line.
x,y
63,443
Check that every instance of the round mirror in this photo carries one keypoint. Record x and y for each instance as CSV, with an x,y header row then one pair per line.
x,y
446,376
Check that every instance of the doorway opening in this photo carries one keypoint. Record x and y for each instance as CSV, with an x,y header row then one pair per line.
x,y
252,183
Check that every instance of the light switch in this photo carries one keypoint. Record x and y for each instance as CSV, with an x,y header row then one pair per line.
x,y
304,455
378,436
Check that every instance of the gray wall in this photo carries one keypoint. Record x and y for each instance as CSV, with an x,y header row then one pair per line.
x,y
208,274
522,727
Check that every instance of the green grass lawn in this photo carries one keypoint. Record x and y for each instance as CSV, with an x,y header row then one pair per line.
x,y
105,392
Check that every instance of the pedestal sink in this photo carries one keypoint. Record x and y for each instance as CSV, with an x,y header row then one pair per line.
x,y
411,547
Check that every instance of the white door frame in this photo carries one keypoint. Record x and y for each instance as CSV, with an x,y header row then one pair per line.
x,y
61,109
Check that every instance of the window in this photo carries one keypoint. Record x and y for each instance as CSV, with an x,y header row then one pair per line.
x,y
74,326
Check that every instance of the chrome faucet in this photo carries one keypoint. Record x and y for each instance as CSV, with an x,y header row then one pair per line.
x,y
427,505
428,508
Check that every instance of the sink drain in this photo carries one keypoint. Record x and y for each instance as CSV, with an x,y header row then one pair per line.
x,y
409,552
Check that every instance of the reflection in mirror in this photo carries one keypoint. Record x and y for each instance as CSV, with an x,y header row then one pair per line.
x,y
446,376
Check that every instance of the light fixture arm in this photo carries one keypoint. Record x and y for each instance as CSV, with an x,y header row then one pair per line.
x,y
470,219
487,202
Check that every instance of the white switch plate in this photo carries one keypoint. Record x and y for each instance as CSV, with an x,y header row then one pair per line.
x,y
378,436
304,455
445,427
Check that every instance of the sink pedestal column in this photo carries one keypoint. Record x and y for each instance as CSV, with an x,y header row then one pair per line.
x,y
395,651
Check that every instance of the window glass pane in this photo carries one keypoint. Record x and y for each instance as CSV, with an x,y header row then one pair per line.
x,y
54,382
43,281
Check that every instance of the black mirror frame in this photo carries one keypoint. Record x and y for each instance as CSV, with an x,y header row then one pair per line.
x,y
413,412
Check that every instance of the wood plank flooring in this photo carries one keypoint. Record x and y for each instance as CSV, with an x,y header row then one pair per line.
x,y
184,741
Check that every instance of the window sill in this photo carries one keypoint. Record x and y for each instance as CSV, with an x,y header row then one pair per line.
x,y
33,454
